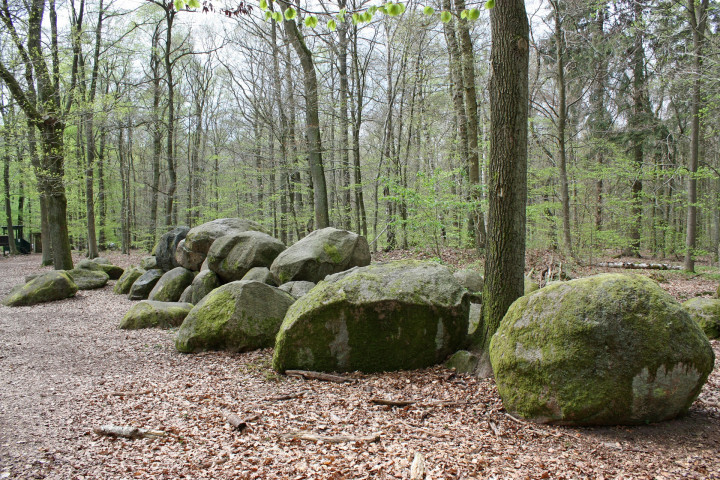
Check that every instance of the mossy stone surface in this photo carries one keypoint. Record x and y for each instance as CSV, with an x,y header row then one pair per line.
x,y
609,349
88,279
389,316
203,283
148,263
142,287
239,316
463,361
260,274
113,271
470,279
531,286
233,256
126,280
706,312
86,264
171,285
323,252
151,314
166,246
50,286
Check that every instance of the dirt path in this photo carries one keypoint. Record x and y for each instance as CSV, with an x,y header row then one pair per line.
x,y
65,368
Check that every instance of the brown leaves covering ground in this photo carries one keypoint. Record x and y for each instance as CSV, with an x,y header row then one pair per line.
x,y
65,369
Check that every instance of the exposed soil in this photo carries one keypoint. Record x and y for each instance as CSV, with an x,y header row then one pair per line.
x,y
66,369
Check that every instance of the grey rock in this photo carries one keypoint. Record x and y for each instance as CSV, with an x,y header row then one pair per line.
x,y
142,287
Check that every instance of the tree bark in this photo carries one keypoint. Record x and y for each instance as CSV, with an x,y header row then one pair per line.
x,y
505,264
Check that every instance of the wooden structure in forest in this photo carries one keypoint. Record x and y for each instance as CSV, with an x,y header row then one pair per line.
x,y
22,245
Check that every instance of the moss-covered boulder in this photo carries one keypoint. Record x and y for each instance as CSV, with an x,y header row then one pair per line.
x,y
200,238
142,287
388,316
706,312
232,256
188,259
126,280
113,271
609,349
321,253
151,314
87,264
171,285
298,288
238,316
260,274
470,279
203,283
149,262
531,286
50,286
463,361
88,279
166,247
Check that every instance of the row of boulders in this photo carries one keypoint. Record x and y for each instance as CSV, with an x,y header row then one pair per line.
x,y
60,284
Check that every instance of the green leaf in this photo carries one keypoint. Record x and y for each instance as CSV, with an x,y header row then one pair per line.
x,y
490,4
356,18
290,13
393,9
194,3
367,17
473,14
372,10
311,21
341,15
464,14
263,4
179,4
277,16
445,16
268,15
402,7
331,25
428,11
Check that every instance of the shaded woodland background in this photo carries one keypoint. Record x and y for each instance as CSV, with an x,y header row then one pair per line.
x,y
180,117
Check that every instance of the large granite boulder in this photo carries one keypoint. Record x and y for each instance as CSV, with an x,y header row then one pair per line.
x,y
388,316
50,286
88,279
297,289
114,271
142,287
122,286
149,262
87,264
603,350
203,283
321,253
706,312
152,314
238,316
171,285
188,259
470,279
232,256
166,247
201,237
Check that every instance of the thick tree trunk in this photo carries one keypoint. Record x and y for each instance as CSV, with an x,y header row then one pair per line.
x,y
505,263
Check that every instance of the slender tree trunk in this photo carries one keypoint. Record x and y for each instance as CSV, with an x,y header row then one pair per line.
x,y
698,21
312,122
8,203
170,207
505,263
360,214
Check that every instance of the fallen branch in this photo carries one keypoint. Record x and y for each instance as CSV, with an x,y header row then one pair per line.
x,y
127,432
330,439
238,423
129,394
417,469
288,396
640,266
326,377
405,403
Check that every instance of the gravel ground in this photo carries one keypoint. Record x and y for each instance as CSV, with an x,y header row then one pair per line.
x,y
66,369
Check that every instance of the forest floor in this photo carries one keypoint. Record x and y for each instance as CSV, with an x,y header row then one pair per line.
x,y
66,369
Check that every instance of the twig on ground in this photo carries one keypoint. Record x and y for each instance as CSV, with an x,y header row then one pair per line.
x,y
302,435
238,423
417,403
288,396
326,377
127,432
